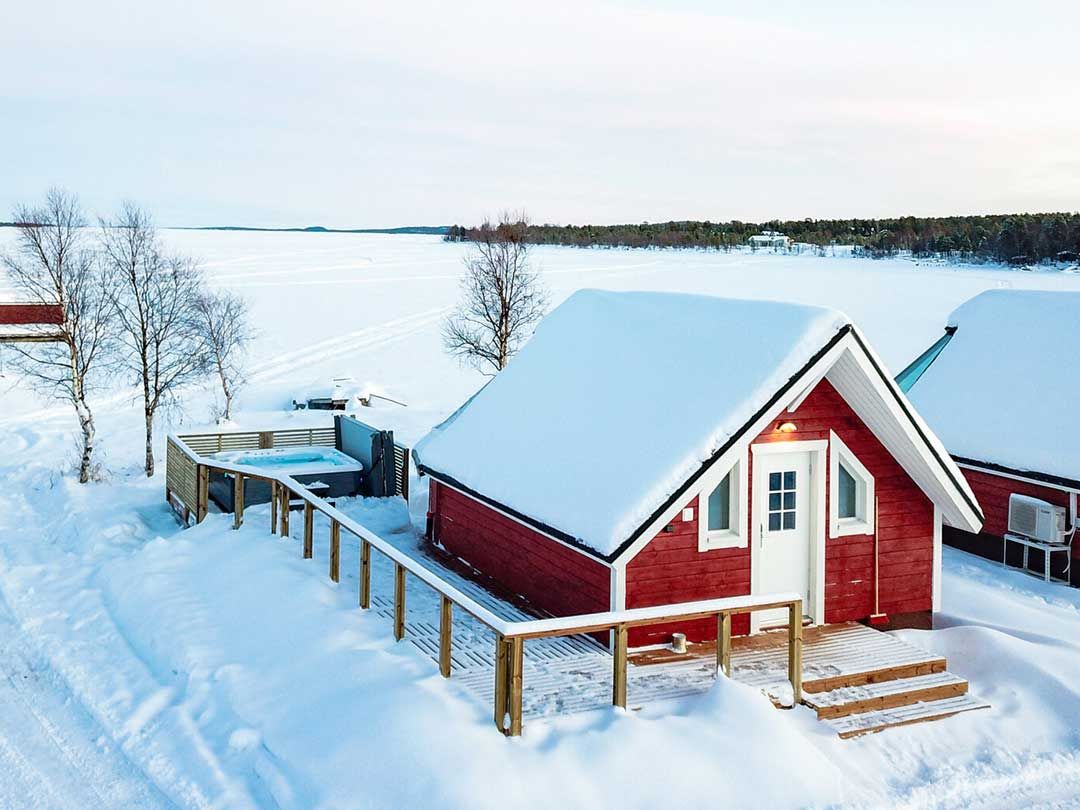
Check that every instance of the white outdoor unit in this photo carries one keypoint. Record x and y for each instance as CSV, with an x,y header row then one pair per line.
x,y
1036,519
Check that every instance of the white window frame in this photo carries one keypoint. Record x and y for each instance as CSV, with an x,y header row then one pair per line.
x,y
735,536
864,483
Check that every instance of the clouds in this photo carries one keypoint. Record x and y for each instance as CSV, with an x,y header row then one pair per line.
x,y
384,113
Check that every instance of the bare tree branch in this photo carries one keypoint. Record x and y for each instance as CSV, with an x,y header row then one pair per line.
x,y
154,297
223,320
502,298
52,263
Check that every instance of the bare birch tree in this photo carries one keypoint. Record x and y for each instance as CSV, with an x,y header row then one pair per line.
x,y
155,299
53,263
502,297
223,321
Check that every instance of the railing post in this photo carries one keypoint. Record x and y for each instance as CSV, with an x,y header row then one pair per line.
x,y
723,644
618,676
513,697
399,601
202,492
365,574
284,490
238,501
309,530
335,551
501,685
446,620
795,649
273,507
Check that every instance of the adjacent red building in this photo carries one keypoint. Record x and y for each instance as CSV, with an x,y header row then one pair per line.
x,y
1002,389
653,448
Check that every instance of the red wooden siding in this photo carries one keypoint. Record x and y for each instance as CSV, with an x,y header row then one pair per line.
x,y
552,576
671,569
992,492
11,314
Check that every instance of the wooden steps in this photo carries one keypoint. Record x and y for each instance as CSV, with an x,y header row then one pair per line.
x,y
887,694
871,722
857,679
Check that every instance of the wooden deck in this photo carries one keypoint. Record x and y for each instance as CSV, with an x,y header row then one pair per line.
x,y
857,679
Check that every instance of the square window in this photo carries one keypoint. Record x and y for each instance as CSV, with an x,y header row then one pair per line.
x,y
774,500
789,500
789,479
789,520
774,521
774,481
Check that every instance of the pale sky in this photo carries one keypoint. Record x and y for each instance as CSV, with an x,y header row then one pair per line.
x,y
371,114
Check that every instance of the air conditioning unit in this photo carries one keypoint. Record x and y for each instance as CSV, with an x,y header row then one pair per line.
x,y
1036,519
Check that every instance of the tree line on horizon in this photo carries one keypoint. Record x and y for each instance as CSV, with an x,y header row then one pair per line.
x,y
1010,238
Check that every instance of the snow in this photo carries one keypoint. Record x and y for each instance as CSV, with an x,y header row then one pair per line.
x,y
617,399
1004,390
146,666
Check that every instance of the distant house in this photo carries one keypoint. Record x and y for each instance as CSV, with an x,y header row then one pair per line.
x,y
25,322
1002,389
769,239
654,448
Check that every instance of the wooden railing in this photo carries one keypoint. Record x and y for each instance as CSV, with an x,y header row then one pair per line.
x,y
510,636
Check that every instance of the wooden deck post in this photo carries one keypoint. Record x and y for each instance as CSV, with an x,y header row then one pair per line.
x,y
309,530
273,507
618,676
399,601
202,492
795,649
365,574
446,622
238,501
515,676
284,510
501,685
335,551
723,644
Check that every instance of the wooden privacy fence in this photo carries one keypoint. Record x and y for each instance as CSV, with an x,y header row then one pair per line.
x,y
187,473
510,636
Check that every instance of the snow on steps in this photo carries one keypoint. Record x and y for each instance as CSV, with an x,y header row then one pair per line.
x,y
857,679
847,700
870,722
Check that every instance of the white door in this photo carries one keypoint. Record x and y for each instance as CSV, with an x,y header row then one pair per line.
x,y
783,485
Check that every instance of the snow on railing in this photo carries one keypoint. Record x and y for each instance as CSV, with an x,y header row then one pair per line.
x,y
510,634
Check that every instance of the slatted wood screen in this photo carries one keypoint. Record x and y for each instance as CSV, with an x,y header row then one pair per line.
x,y
181,475
401,470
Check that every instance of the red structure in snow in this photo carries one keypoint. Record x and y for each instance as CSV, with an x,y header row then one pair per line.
x,y
831,486
1014,353
29,322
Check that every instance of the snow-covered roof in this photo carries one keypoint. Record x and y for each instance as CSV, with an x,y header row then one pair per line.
x,y
1005,389
617,400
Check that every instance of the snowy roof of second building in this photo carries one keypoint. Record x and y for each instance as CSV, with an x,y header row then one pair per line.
x,y
1005,389
617,400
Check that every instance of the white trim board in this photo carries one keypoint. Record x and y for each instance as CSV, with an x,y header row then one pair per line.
x,y
1034,481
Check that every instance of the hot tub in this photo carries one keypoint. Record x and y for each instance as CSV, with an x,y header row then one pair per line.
x,y
338,472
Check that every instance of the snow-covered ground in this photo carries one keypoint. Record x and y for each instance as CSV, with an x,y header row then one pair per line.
x,y
144,666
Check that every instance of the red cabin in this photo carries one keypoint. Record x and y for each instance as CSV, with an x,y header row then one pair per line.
x,y
1001,388
655,448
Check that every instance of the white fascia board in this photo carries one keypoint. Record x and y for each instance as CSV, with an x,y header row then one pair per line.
x,y
738,450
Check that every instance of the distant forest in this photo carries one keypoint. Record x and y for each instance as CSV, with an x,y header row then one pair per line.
x,y
1012,238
